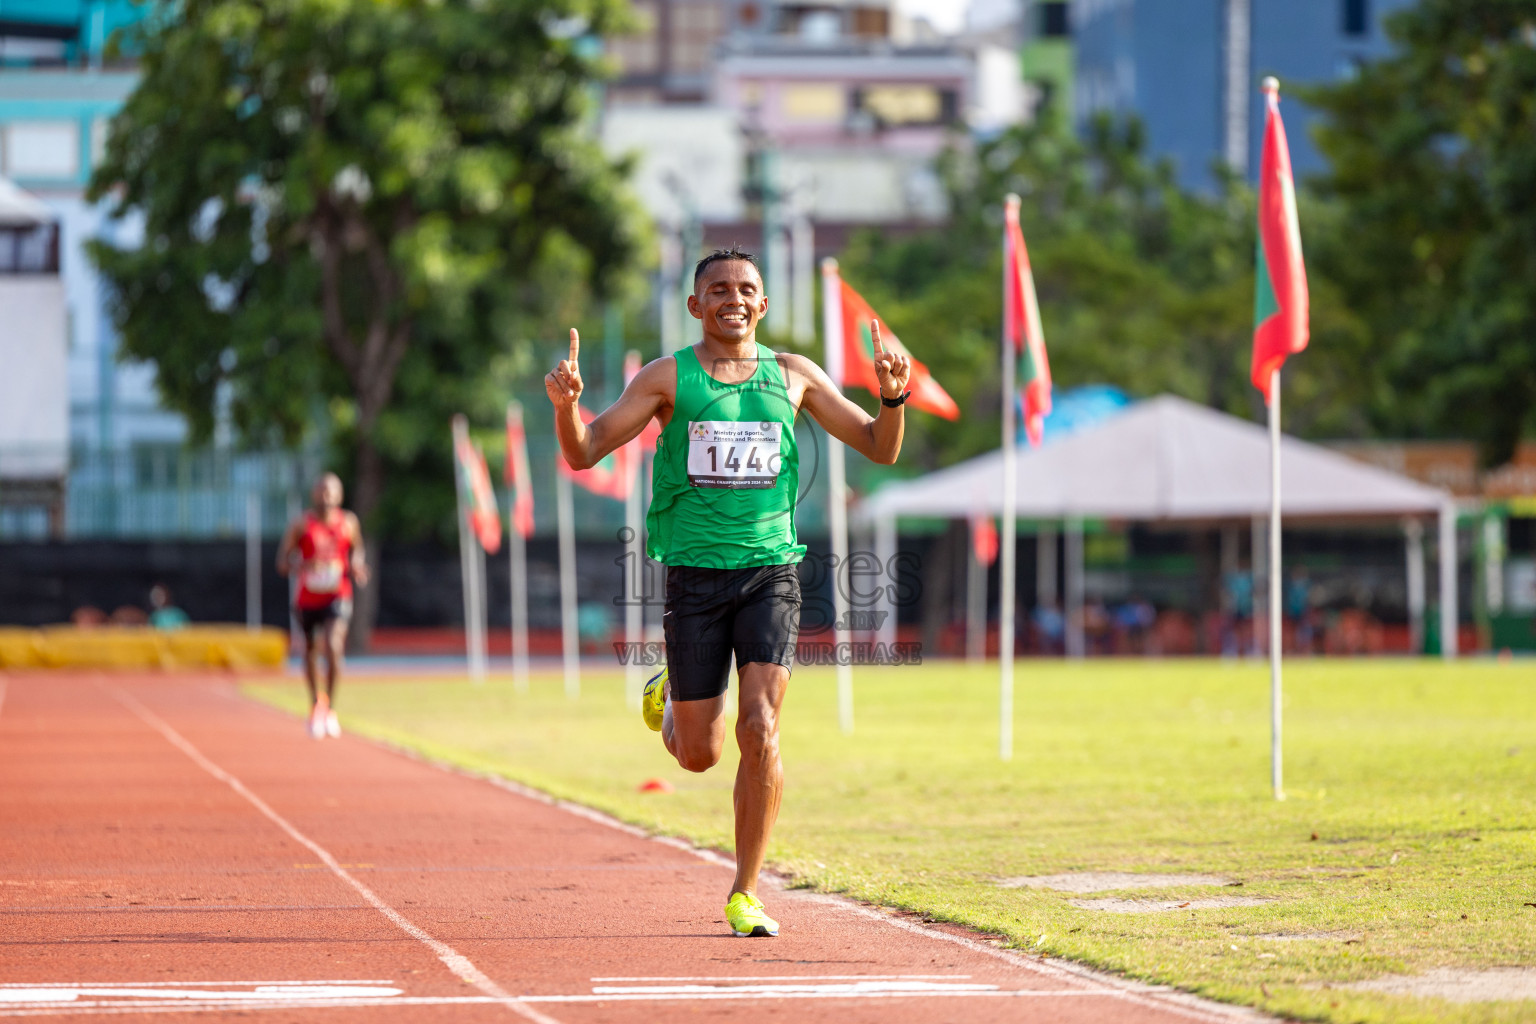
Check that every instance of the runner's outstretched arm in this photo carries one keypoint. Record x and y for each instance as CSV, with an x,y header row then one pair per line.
x,y
359,554
878,438
285,548
584,444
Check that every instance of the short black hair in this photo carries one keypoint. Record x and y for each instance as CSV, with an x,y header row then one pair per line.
x,y
735,252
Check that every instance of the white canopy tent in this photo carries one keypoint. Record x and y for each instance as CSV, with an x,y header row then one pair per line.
x,y
1169,460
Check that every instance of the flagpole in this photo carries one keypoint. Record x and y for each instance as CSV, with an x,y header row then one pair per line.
x,y
837,496
518,555
633,586
1008,527
467,570
569,640
517,548
975,599
1275,575
477,562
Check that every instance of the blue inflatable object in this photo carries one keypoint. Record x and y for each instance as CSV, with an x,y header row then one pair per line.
x,y
1077,408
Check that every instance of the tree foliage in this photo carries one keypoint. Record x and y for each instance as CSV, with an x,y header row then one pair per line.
x,y
349,207
1433,170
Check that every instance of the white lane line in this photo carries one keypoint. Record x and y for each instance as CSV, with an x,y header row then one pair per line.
x,y
185,984
103,1009
802,977
455,961
261,993
663,997
858,988
181,908
95,1009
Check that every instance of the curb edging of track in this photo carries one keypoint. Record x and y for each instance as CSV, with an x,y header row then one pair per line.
x,y
1161,997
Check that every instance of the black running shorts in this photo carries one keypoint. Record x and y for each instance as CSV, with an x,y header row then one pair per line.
x,y
311,619
712,613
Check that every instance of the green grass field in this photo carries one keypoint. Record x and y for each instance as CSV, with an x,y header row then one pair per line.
x,y
1405,844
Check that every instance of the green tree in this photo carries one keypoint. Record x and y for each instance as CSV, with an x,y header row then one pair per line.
x,y
1433,169
350,209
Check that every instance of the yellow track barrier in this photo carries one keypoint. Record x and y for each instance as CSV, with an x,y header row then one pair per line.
x,y
140,647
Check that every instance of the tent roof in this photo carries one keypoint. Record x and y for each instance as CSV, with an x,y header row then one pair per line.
x,y
18,208
1161,459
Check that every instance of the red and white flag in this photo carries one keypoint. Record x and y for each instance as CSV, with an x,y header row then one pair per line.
x,y
613,476
859,357
1021,325
1280,304
607,478
516,473
984,539
475,488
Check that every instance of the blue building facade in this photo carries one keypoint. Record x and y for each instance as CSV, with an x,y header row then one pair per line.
x,y
1190,70
58,92
131,473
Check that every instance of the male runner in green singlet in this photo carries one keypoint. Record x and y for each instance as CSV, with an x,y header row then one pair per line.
x,y
722,519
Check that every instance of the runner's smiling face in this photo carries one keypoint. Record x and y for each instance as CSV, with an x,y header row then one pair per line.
x,y
728,300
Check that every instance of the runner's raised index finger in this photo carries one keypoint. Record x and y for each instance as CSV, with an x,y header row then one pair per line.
x,y
575,344
874,331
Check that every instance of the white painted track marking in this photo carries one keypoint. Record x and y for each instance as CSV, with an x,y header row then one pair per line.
x,y
268,993
243,1006
756,979
460,965
855,988
195,984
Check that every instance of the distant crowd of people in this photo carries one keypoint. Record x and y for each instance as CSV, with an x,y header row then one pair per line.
x,y
1136,626
161,614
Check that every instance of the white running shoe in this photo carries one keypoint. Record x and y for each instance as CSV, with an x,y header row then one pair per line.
x,y
316,723
332,725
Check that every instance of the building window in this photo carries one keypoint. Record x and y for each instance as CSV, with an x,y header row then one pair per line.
x,y
48,150
896,105
1053,19
871,23
814,103
1357,17
29,250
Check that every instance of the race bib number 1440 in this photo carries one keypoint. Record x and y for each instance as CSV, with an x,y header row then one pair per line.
x,y
724,453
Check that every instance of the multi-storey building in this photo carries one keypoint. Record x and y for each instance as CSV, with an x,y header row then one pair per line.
x,y
58,92
757,120
1048,57
1190,70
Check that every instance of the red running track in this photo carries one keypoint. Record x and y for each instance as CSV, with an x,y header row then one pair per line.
x,y
167,846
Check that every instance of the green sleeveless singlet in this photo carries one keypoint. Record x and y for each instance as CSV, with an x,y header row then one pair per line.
x,y
727,472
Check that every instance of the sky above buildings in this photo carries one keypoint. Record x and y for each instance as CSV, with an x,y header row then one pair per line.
x,y
945,15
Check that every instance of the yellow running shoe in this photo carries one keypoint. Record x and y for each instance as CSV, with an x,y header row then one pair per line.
x,y
653,700
745,915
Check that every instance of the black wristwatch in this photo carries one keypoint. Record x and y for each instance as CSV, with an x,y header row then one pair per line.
x,y
892,403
